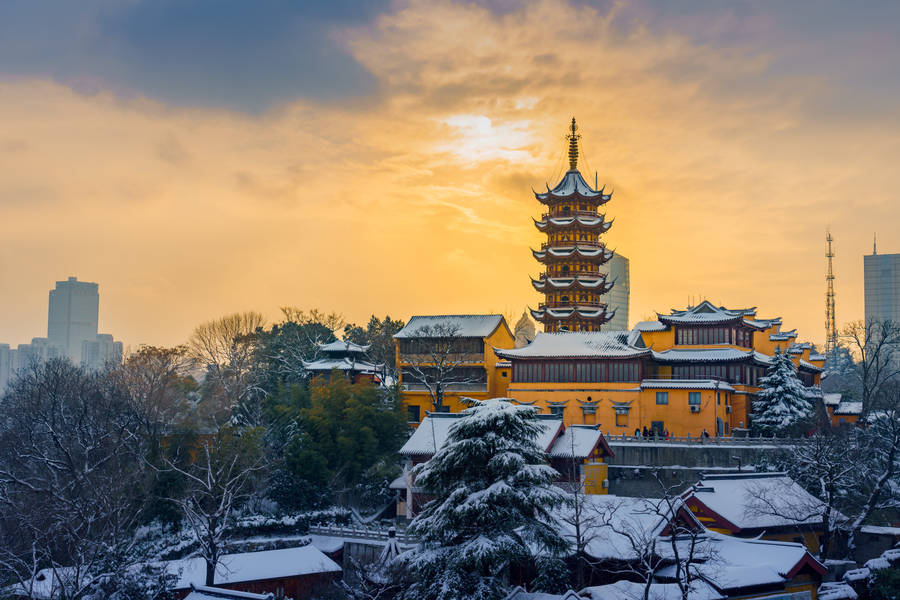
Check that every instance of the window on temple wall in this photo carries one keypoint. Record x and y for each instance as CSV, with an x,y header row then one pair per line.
x,y
412,414
662,397
693,397
565,269
558,411
621,417
589,415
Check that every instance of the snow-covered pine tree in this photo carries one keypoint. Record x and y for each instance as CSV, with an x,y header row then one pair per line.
x,y
493,494
781,405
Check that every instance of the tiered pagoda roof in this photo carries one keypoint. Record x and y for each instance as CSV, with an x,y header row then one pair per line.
x,y
573,186
595,223
706,313
572,283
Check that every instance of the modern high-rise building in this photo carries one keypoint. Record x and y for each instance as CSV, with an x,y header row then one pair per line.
x,y
7,356
617,271
882,287
72,316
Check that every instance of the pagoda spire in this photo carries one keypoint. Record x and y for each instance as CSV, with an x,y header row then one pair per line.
x,y
573,138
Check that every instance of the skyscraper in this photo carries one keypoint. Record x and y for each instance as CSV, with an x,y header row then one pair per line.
x,y
882,286
617,271
72,316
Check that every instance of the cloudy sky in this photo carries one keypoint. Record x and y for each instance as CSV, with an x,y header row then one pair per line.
x,y
199,157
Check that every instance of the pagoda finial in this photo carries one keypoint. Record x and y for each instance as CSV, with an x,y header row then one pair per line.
x,y
573,145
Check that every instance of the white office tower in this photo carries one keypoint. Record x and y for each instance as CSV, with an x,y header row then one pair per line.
x,y
617,298
72,317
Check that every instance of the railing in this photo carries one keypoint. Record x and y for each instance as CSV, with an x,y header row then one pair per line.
x,y
571,213
378,534
448,387
569,304
712,440
561,274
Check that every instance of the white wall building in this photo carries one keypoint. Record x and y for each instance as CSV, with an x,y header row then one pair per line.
x,y
72,315
617,297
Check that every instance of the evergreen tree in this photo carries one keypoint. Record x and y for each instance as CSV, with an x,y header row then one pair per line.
x,y
493,496
781,405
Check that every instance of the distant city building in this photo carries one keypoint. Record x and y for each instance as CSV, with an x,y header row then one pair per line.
x,y
882,287
101,351
617,272
7,356
72,316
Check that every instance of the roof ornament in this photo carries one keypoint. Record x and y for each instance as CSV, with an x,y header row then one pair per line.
x,y
573,145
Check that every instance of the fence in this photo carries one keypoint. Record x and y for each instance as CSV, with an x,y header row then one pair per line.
x,y
712,441
377,534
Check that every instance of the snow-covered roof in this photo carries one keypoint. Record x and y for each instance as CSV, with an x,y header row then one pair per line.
x,y
809,366
520,594
576,344
478,326
585,312
783,336
881,530
342,346
846,407
341,364
572,183
816,357
578,441
631,590
624,519
231,569
201,592
586,221
709,355
756,500
686,384
706,313
253,566
433,431
836,590
650,326
564,283
831,399
736,563
583,251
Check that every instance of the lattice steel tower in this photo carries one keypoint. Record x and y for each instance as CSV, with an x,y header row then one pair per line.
x,y
830,328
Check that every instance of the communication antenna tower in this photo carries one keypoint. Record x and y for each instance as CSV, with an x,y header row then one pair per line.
x,y
830,329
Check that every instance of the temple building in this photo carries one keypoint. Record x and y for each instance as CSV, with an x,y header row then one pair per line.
x,y
443,359
687,372
573,283
348,358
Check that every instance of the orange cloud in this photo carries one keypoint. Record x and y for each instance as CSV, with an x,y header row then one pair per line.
x,y
418,198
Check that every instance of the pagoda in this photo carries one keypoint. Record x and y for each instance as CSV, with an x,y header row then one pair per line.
x,y
572,283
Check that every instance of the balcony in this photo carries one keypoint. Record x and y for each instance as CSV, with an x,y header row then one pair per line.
x,y
570,304
571,213
559,274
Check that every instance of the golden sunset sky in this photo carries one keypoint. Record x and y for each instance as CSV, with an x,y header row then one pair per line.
x,y
201,158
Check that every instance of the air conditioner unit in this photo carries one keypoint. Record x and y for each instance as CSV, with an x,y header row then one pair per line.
x,y
695,408
727,410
